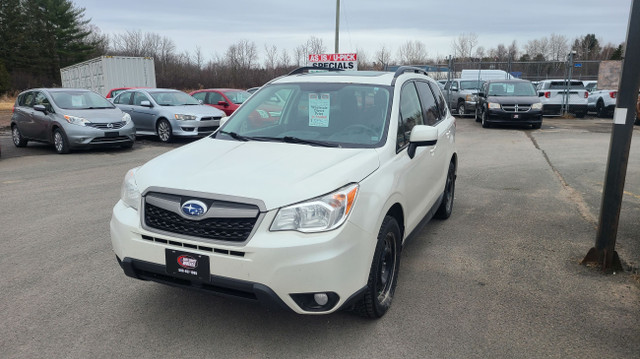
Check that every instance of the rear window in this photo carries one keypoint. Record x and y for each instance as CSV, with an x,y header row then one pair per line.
x,y
561,85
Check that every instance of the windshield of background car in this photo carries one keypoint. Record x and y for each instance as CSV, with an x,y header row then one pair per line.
x,y
511,89
173,98
237,97
80,100
471,85
561,85
337,114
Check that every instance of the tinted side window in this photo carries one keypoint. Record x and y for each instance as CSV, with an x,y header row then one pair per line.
x,y
123,99
410,113
442,103
432,114
41,99
138,97
200,96
27,99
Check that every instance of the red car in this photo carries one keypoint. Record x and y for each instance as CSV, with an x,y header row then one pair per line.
x,y
227,100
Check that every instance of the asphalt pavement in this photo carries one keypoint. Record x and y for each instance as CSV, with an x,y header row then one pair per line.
x,y
501,278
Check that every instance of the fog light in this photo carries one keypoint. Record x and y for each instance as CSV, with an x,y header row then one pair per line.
x,y
321,298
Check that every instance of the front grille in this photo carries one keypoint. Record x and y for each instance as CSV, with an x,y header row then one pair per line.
x,y
516,107
209,118
105,125
222,229
206,129
101,140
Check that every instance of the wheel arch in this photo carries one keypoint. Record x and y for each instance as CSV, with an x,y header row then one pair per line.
x,y
397,213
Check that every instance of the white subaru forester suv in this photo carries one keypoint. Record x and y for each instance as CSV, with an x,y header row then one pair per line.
x,y
302,199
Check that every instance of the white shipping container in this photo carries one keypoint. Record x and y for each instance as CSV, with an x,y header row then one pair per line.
x,y
107,72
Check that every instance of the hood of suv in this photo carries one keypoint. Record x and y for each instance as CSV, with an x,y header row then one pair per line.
x,y
278,174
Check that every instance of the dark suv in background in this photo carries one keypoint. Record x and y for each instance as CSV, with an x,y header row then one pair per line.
x,y
509,102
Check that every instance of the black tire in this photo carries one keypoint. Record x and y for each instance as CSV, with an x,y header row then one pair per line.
x,y
383,275
16,135
164,130
461,109
60,142
485,122
600,112
446,207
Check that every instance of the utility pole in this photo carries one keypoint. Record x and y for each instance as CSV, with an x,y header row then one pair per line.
x,y
565,102
337,42
604,253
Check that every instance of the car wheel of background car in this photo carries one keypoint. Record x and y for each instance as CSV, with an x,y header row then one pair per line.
x,y
164,130
600,109
461,109
446,207
18,140
383,275
485,123
60,141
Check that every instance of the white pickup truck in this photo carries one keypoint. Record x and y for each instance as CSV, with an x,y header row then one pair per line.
x,y
602,102
552,94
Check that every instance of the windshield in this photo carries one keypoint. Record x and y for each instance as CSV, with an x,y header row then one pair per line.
x,y
341,115
237,97
471,85
173,98
79,100
511,89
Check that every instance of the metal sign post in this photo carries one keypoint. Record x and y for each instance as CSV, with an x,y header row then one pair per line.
x,y
604,253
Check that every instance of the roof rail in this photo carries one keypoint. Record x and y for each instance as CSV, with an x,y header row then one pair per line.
x,y
303,69
402,69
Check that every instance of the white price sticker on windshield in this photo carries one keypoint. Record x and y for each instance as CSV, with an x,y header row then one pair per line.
x,y
319,105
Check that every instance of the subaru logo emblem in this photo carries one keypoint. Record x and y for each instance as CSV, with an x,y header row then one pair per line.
x,y
194,208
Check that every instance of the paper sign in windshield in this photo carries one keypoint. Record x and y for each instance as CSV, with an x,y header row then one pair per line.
x,y
319,105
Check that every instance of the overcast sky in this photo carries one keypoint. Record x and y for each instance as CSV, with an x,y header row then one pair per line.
x,y
364,24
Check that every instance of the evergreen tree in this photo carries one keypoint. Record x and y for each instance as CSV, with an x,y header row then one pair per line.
x,y
617,53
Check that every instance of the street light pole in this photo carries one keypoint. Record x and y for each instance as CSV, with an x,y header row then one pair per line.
x,y
337,42
604,253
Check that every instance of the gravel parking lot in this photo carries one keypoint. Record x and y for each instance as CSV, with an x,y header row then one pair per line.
x,y
501,278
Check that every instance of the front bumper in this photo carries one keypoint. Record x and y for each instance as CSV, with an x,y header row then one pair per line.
x,y
195,128
269,268
499,116
81,136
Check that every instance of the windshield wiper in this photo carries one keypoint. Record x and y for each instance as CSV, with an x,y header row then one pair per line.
x,y
236,136
290,139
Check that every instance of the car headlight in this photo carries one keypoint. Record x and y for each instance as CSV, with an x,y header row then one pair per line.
x,y
126,118
76,120
129,194
471,97
182,117
319,214
493,105
537,106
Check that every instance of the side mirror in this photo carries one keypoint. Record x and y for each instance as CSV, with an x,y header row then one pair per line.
x,y
145,103
421,135
223,103
40,108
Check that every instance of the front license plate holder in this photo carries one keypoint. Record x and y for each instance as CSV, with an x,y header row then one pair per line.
x,y
187,265
112,134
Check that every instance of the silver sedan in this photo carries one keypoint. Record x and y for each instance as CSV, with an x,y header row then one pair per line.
x,y
168,113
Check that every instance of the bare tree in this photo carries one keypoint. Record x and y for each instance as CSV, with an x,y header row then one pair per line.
x,y
383,58
558,47
363,60
271,57
463,45
284,60
537,49
412,53
480,53
512,51
198,57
